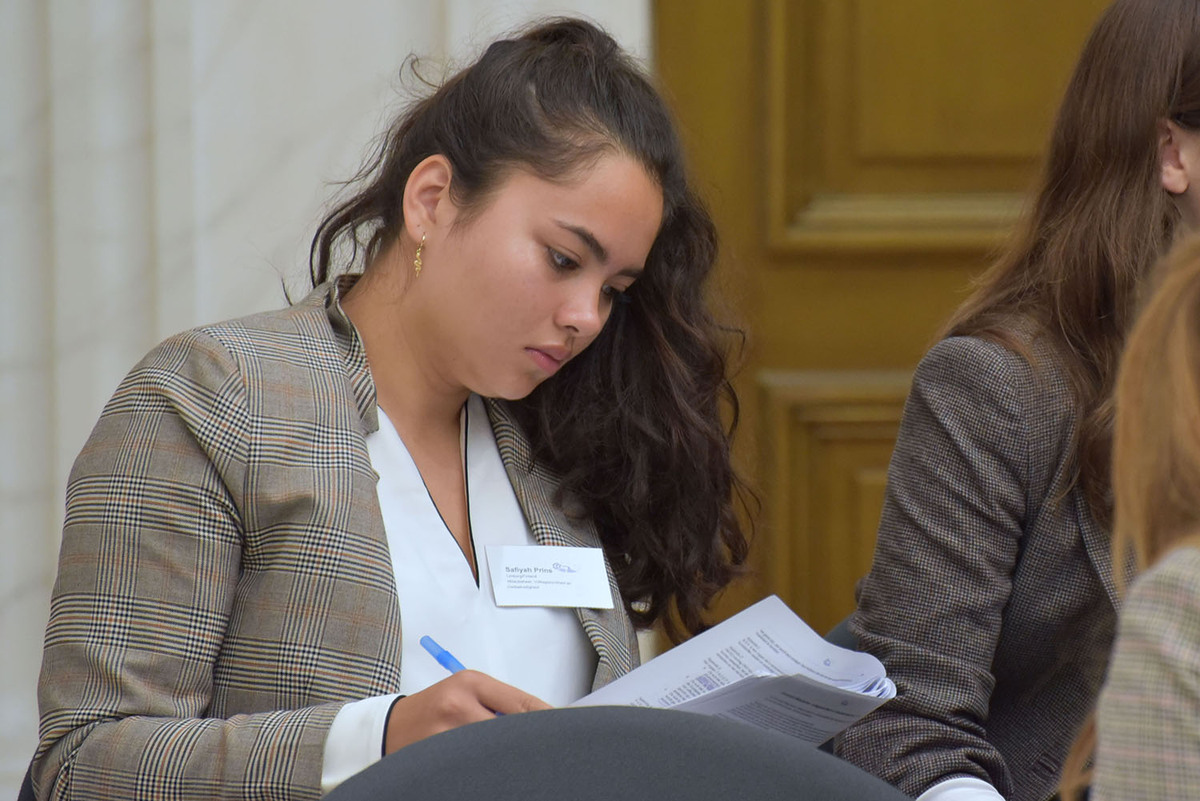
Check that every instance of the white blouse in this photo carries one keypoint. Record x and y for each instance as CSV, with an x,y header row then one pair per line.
x,y
541,650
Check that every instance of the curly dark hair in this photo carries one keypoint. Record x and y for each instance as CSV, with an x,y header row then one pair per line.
x,y
638,426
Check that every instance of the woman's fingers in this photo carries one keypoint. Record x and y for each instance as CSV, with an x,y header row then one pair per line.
x,y
505,698
465,697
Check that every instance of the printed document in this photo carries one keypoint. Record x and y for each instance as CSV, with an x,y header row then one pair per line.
x,y
764,666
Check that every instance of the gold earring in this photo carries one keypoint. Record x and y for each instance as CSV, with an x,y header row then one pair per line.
x,y
417,255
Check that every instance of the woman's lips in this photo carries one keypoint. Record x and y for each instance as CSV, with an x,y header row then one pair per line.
x,y
548,359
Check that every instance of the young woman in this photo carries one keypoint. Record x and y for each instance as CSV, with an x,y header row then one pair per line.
x,y
1147,731
991,598
507,345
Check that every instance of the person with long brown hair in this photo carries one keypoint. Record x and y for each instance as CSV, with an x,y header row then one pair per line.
x,y
991,598
508,344
1146,733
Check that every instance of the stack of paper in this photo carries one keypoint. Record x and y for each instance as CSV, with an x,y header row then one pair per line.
x,y
763,666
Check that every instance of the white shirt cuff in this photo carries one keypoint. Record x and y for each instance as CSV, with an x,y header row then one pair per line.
x,y
355,739
961,788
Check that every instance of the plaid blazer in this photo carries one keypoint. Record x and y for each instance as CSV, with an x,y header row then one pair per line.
x,y
1148,716
224,582
990,600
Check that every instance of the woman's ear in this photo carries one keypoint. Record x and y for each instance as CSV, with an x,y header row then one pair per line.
x,y
427,203
1172,157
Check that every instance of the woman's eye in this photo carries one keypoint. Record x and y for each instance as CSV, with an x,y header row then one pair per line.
x,y
561,261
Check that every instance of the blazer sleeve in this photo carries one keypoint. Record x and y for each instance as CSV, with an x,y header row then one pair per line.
x,y
1148,716
148,568
948,541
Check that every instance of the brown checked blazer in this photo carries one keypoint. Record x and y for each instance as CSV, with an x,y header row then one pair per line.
x,y
224,581
991,600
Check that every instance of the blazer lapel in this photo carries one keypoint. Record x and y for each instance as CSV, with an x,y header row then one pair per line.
x,y
610,630
1098,545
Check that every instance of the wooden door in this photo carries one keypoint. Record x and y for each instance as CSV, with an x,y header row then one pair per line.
x,y
863,159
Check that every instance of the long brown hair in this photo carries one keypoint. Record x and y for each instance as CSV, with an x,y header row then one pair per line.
x,y
1156,441
638,426
1100,217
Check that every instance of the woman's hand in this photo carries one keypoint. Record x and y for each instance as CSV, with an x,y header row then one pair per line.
x,y
465,697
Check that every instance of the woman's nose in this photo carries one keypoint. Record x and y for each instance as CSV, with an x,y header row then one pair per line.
x,y
582,311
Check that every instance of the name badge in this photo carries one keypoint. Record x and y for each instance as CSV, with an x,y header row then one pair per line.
x,y
548,575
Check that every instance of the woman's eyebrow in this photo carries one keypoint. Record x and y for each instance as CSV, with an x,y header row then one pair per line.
x,y
588,238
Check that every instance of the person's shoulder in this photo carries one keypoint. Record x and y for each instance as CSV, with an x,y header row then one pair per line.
x,y
271,334
1169,586
299,334
1162,604
983,353
973,367
286,319
1018,363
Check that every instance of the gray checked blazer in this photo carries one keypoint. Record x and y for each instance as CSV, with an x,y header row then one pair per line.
x,y
991,600
1148,716
224,583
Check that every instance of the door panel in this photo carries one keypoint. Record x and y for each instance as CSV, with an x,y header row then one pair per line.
x,y
864,159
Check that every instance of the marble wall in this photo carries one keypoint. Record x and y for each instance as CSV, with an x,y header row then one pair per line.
x,y
163,163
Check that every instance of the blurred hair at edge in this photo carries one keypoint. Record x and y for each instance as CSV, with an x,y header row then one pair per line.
x,y
1156,444
638,425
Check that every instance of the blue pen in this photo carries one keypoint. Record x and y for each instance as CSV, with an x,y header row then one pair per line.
x,y
444,657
